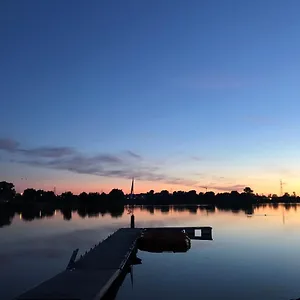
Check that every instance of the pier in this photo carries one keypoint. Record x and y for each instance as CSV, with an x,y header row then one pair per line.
x,y
91,276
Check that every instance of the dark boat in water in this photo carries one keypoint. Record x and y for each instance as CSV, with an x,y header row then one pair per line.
x,y
159,240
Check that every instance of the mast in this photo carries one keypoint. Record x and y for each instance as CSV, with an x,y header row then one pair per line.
x,y
132,224
132,187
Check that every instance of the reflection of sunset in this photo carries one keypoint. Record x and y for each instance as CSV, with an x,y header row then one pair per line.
x,y
269,231
265,215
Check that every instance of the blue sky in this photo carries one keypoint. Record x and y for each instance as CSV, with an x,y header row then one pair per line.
x,y
205,93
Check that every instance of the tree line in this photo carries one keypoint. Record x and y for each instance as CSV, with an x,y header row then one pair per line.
x,y
116,197
36,204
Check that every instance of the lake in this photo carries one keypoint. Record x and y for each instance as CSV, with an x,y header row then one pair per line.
x,y
252,256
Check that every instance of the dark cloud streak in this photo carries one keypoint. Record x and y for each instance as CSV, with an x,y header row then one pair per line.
x,y
133,154
51,152
8,145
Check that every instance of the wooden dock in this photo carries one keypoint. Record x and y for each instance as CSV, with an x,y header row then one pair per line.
x,y
91,276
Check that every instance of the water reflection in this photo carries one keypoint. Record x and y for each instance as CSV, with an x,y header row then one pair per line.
x,y
128,270
35,212
260,251
156,245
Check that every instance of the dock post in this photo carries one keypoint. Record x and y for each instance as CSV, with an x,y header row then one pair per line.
x,y
132,225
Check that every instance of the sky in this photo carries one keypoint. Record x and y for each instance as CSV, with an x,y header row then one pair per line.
x,y
181,95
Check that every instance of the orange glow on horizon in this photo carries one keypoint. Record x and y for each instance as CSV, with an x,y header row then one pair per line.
x,y
259,186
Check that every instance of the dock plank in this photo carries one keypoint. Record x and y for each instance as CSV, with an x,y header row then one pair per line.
x,y
81,285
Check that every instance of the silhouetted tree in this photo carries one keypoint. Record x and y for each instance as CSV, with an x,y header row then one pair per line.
x,y
7,191
116,195
48,196
30,195
83,196
235,194
192,197
67,196
248,190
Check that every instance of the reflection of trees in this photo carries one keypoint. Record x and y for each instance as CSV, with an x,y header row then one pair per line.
x,y
30,215
249,211
67,213
47,212
116,211
151,210
208,208
82,212
6,215
179,208
192,209
288,206
29,212
165,209
93,214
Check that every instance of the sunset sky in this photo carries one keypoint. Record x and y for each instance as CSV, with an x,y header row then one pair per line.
x,y
180,95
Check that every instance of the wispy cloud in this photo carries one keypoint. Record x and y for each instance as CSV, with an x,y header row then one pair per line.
x,y
103,164
97,166
196,158
51,152
133,154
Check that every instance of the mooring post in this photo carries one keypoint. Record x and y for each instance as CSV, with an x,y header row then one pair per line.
x,y
132,221
72,260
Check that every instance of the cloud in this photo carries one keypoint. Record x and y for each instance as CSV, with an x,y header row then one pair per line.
x,y
133,154
103,164
196,158
78,163
48,151
96,166
107,158
8,145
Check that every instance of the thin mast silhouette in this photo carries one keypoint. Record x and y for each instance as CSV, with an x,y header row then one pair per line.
x,y
131,196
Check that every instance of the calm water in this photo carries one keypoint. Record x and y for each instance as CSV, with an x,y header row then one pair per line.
x,y
255,257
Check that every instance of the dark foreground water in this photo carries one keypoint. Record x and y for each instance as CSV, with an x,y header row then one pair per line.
x,y
251,256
